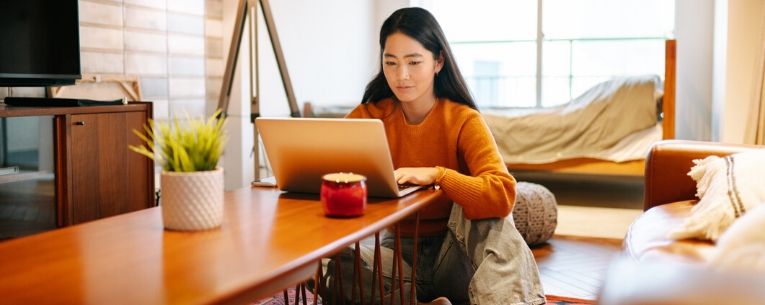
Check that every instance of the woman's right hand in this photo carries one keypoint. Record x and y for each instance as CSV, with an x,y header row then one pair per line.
x,y
416,175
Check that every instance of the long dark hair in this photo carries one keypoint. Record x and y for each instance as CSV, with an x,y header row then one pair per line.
x,y
420,25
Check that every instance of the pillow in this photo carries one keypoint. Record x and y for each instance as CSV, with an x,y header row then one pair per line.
x,y
742,246
535,212
727,187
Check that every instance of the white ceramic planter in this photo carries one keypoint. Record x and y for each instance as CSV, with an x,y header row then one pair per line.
x,y
192,201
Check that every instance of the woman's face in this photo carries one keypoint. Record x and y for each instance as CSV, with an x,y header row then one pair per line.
x,y
409,68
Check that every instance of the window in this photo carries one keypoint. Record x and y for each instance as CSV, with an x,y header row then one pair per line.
x,y
543,53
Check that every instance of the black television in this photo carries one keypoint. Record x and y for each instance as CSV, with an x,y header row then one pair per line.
x,y
39,43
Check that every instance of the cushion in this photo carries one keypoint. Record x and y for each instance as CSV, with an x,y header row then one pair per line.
x,y
742,246
535,213
647,239
727,187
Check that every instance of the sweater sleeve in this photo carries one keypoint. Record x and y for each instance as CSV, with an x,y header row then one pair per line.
x,y
489,190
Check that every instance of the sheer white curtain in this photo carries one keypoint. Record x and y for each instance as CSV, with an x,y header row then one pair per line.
x,y
755,129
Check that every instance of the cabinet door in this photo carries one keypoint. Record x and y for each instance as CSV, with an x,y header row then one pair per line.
x,y
106,177
84,168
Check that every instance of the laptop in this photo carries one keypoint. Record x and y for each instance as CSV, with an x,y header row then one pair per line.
x,y
302,150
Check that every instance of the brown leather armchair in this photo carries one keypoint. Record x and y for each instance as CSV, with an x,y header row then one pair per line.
x,y
669,197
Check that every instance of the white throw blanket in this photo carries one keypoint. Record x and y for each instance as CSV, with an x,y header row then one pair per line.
x,y
727,188
593,122
742,246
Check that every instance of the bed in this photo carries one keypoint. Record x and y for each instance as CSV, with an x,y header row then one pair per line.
x,y
606,131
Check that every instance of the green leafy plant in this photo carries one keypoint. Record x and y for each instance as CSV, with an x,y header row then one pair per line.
x,y
197,146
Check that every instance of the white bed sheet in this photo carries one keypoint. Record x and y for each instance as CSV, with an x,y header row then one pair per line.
x,y
632,147
614,120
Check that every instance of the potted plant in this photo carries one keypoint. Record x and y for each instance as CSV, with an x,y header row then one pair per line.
x,y
191,183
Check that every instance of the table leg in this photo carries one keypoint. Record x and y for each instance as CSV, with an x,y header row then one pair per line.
x,y
303,291
397,254
318,282
338,282
378,263
397,269
413,287
394,265
357,274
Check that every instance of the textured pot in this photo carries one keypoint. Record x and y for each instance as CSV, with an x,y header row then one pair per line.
x,y
193,200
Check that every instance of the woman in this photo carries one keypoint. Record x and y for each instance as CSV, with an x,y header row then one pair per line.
x,y
469,251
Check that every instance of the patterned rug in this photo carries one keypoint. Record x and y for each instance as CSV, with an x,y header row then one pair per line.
x,y
278,299
556,300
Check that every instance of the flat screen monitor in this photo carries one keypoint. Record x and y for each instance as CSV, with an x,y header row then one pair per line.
x,y
39,42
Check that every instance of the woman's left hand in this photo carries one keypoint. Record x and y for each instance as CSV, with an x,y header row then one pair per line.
x,y
416,175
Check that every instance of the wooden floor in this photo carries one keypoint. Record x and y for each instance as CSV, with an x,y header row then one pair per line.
x,y
590,190
575,266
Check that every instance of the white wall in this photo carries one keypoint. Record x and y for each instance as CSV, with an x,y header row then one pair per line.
x,y
383,9
719,54
327,50
172,46
330,48
694,24
738,37
717,46
237,171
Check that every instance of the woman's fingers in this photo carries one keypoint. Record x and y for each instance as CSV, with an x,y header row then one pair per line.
x,y
401,176
414,175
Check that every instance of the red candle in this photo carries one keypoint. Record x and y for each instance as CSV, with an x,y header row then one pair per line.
x,y
344,194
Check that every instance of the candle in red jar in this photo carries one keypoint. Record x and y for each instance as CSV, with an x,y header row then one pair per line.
x,y
344,194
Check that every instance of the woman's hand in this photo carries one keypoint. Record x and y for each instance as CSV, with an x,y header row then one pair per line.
x,y
416,175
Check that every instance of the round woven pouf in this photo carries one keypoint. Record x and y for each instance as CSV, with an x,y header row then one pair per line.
x,y
535,213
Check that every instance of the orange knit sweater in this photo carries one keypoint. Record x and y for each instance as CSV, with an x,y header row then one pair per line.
x,y
455,139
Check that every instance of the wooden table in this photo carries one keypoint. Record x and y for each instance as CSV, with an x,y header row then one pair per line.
x,y
268,241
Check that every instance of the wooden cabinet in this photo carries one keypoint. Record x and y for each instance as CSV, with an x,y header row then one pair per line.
x,y
105,177
96,174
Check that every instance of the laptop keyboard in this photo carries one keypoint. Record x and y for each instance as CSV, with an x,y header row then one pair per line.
x,y
405,186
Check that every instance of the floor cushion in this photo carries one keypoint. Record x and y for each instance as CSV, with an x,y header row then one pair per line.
x,y
535,212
